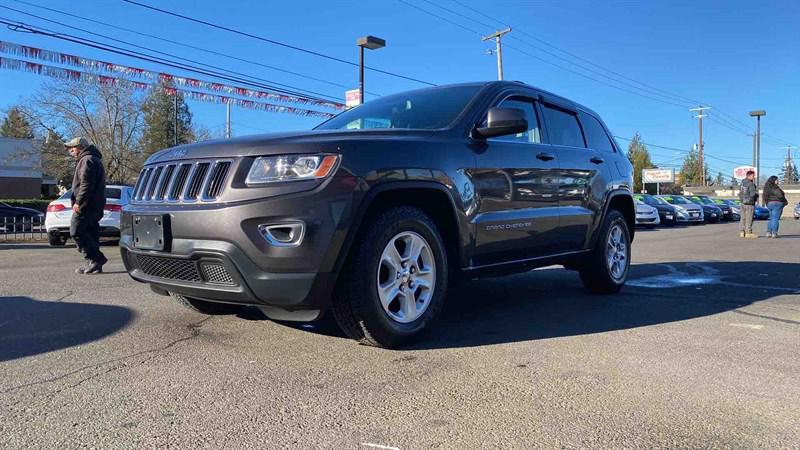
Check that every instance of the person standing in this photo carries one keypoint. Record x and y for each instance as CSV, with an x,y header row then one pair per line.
x,y
88,200
748,194
775,201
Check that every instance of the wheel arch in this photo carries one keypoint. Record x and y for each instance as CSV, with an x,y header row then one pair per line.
x,y
431,197
622,201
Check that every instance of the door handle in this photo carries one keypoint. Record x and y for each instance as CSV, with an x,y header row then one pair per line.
x,y
597,160
544,156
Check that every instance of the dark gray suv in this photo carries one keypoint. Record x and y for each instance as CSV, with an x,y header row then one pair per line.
x,y
377,211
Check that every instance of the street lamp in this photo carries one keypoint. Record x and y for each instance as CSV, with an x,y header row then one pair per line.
x,y
372,43
757,114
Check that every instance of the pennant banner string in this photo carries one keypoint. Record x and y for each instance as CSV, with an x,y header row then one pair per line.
x,y
75,75
11,48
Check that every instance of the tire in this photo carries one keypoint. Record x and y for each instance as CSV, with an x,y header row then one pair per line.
x,y
208,308
358,306
597,275
56,240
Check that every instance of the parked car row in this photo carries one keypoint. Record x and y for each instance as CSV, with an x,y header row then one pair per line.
x,y
653,210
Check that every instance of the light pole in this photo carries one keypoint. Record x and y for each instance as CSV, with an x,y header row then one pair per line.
x,y
372,43
757,114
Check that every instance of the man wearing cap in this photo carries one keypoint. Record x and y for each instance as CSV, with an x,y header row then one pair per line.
x,y
88,200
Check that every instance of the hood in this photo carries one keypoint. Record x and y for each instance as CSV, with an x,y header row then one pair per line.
x,y
326,141
644,209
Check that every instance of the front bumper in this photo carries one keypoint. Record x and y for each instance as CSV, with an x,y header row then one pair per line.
x,y
216,251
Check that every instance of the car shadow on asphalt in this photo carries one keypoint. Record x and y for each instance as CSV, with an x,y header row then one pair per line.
x,y
30,327
551,302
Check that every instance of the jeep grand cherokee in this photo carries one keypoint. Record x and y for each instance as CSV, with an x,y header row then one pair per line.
x,y
373,214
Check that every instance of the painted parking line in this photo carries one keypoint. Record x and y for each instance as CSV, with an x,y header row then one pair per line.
x,y
747,325
383,447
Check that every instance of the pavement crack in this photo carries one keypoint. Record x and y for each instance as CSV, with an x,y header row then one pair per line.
x,y
194,331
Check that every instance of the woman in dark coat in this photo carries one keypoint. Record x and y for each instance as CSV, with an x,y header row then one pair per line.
x,y
775,201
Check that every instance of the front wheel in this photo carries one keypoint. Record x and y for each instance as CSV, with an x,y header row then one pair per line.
x,y
607,266
394,283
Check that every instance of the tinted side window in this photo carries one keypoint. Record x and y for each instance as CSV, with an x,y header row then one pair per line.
x,y
562,127
533,135
596,136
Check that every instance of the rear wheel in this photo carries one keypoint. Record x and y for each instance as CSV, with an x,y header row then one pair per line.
x,y
205,307
606,267
56,240
394,283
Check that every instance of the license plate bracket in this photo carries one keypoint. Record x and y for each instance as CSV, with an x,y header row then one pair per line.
x,y
151,232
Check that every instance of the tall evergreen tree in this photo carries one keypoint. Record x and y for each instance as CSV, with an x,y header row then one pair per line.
x,y
719,180
16,125
691,173
640,159
789,174
159,119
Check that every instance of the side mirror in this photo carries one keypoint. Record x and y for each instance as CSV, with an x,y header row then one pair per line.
x,y
503,121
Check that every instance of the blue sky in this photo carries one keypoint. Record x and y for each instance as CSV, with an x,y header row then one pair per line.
x,y
734,55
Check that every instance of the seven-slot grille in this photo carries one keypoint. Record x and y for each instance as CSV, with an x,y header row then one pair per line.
x,y
181,181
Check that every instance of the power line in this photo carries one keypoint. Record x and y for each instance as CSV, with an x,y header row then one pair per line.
x,y
274,42
193,47
170,63
729,118
472,30
619,78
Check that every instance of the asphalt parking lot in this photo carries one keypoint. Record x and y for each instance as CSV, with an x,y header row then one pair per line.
x,y
700,350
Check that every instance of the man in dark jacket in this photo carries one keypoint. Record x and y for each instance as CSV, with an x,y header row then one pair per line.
x,y
88,201
748,195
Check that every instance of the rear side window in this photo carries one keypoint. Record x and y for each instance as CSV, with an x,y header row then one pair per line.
x,y
532,135
596,136
115,193
562,127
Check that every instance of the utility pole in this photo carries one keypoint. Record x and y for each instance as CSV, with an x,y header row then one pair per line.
x,y
789,166
754,147
700,116
499,49
228,119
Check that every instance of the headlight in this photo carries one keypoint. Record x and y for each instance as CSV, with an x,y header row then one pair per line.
x,y
274,169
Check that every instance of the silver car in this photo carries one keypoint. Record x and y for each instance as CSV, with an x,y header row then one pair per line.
x,y
686,211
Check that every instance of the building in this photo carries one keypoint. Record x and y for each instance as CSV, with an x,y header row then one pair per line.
x,y
20,170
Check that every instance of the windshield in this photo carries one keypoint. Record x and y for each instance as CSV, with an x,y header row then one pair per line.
x,y
677,200
115,193
424,109
695,200
649,199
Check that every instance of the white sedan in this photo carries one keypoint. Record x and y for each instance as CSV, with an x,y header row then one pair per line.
x,y
646,215
59,214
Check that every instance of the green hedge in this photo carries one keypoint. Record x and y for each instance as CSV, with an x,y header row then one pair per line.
x,y
35,203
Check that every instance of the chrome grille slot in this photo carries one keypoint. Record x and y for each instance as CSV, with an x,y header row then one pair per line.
x,y
165,179
215,180
179,182
176,188
197,181
138,186
154,179
143,180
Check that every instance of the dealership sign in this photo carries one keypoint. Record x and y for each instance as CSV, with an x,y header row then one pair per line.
x,y
352,98
741,172
658,175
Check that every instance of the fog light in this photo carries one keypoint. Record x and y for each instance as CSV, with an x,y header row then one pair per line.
x,y
288,234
